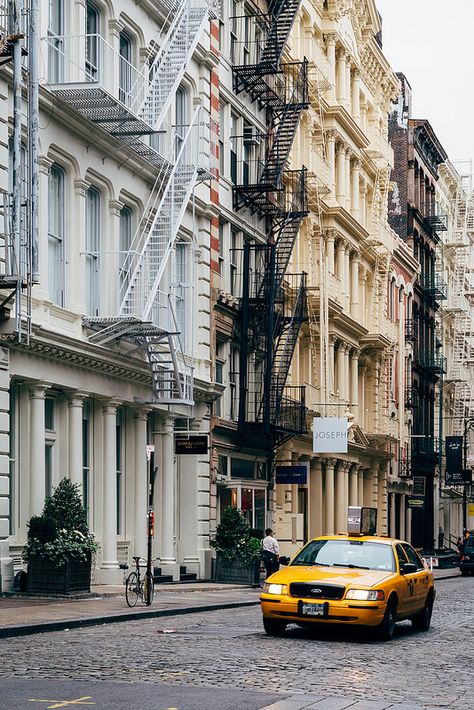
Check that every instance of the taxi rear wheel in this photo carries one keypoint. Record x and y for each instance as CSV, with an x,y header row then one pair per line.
x,y
273,627
421,622
386,629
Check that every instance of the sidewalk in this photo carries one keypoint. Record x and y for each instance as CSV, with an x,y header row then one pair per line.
x,y
22,615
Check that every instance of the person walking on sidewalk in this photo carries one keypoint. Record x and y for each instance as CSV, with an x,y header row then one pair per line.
x,y
270,552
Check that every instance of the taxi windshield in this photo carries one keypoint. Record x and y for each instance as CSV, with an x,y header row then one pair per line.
x,y
347,553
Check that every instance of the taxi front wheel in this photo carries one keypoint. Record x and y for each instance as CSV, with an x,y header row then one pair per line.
x,y
273,627
386,629
421,622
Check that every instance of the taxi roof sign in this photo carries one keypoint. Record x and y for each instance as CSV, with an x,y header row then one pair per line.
x,y
361,521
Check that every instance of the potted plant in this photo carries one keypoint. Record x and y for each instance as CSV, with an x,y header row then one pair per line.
x,y
59,548
238,552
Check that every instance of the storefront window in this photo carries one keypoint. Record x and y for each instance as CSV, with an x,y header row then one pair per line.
x,y
247,505
259,521
242,468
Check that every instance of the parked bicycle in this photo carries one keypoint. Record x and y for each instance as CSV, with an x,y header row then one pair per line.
x,y
137,585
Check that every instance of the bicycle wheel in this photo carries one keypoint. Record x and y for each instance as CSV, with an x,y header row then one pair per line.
x,y
132,589
148,582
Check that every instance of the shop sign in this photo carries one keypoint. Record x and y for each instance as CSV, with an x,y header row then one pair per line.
x,y
415,502
292,474
470,510
454,464
191,445
330,435
419,483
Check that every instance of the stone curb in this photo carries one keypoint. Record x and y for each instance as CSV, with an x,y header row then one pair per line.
x,y
44,627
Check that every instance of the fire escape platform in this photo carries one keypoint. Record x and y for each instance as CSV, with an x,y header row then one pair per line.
x,y
99,106
123,327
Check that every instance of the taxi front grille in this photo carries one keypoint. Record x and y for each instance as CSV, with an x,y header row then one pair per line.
x,y
313,590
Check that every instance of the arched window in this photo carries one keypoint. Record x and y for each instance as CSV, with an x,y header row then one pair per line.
x,y
125,240
92,251
181,117
56,235
92,41
125,69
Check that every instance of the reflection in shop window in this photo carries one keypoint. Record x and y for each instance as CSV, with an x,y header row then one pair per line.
x,y
242,468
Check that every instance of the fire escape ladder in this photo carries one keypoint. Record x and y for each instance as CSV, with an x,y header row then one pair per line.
x,y
283,13
169,65
285,346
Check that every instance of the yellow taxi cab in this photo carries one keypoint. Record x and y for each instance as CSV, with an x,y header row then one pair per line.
x,y
355,579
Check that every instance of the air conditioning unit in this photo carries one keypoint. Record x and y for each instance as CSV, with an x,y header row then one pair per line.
x,y
252,136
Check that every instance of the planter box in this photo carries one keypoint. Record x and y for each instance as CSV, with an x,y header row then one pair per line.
x,y
45,577
236,572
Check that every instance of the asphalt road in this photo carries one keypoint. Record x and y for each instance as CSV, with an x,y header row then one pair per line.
x,y
223,660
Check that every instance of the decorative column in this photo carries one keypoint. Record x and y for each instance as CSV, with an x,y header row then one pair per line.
x,y
393,511
37,393
347,290
340,174
341,385
363,205
330,237
363,116
77,286
168,560
347,381
408,525
354,484
362,313
348,101
110,259
340,497
382,524
75,402
329,496
355,177
109,572
331,57
332,368
341,76
340,256
356,95
315,523
354,378
331,136
402,517
355,286
347,196
360,486
140,482
374,472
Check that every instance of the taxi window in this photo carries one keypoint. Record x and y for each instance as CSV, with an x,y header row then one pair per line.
x,y
400,555
412,556
346,553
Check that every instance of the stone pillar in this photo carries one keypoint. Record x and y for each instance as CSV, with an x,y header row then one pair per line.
x,y
402,517
355,177
341,76
332,161
332,369
373,496
340,174
356,95
331,57
363,205
330,236
315,523
382,524
354,395
75,402
363,305
77,285
168,561
140,481
354,484
363,116
6,561
348,101
355,286
341,497
360,486
341,361
392,527
109,572
329,496
37,394
347,382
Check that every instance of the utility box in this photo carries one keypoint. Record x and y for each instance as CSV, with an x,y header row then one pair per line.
x,y
361,521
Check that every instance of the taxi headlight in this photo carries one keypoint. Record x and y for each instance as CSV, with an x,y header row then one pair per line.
x,y
466,557
365,595
275,588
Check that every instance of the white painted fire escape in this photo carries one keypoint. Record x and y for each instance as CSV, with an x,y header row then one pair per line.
x,y
129,103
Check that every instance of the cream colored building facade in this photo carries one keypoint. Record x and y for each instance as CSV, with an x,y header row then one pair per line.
x,y
352,354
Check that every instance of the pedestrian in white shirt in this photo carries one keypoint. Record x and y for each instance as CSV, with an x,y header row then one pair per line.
x,y
270,552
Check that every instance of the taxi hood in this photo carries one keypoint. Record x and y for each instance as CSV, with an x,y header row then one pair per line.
x,y
330,575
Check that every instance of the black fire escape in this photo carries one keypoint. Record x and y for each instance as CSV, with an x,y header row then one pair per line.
x,y
273,303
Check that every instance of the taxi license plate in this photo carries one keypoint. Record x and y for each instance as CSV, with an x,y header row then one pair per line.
x,y
313,609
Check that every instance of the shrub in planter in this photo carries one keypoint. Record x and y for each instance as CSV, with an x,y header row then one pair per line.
x,y
59,548
238,552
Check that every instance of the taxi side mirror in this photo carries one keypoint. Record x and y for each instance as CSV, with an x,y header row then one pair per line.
x,y
284,560
408,568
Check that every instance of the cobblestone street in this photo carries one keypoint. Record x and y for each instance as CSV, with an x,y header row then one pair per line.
x,y
228,649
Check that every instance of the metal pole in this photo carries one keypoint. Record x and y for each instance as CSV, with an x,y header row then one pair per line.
x,y
150,525
16,8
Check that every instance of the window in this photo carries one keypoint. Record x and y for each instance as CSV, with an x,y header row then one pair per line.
x,y
86,457
233,149
56,235
221,139
49,414
125,241
48,467
234,243
233,33
119,432
125,69
233,382
92,42
182,304
12,454
181,117
55,41
242,468
221,245
92,252
412,556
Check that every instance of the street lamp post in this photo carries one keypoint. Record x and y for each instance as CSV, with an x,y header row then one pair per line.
x,y
468,425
